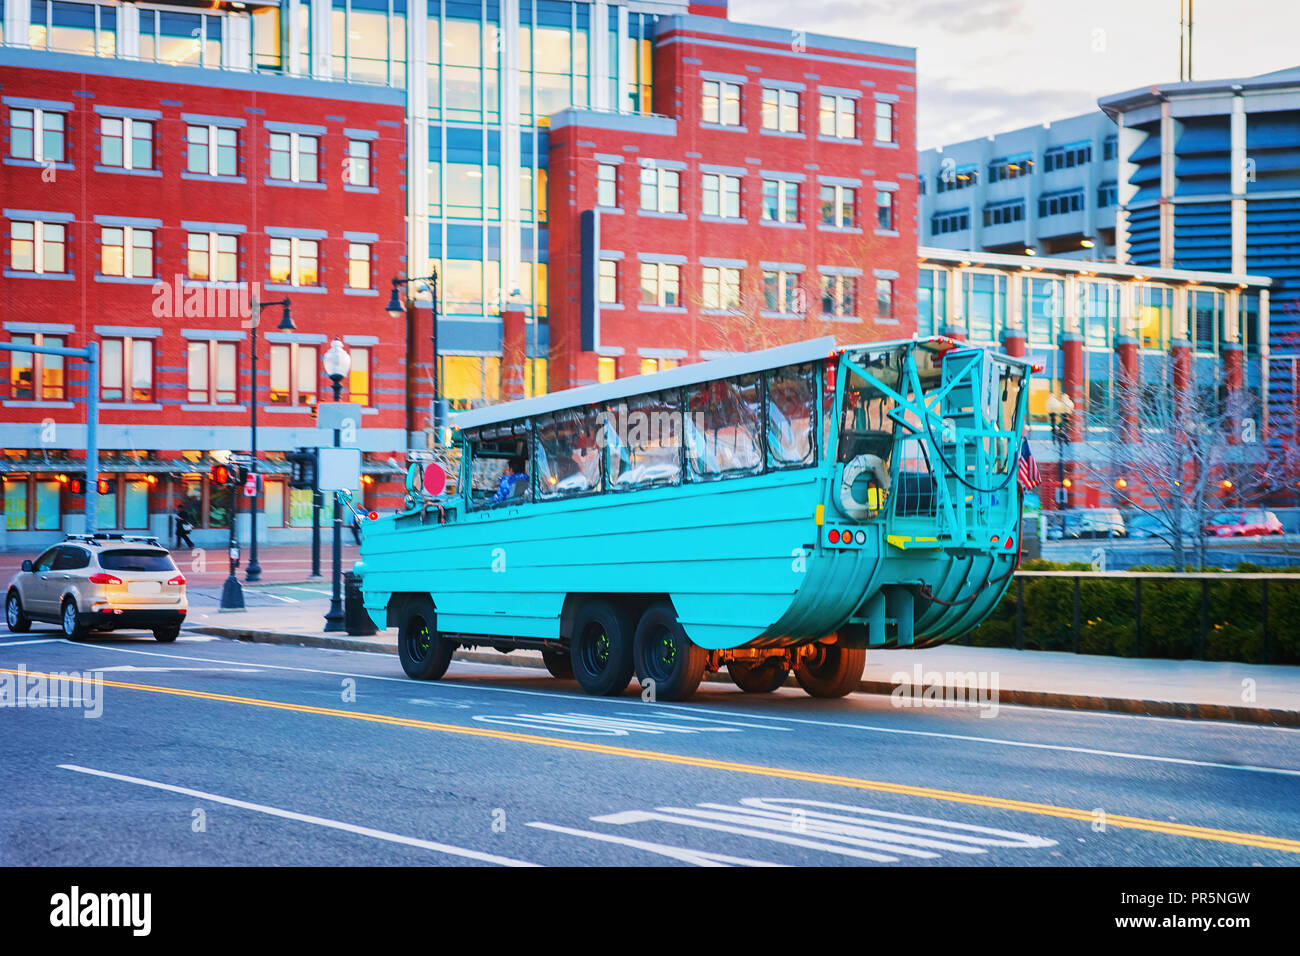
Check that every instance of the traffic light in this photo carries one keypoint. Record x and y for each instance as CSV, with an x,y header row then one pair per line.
x,y
303,461
107,486
76,486
219,474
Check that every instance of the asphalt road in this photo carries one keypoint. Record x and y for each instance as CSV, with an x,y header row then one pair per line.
x,y
212,752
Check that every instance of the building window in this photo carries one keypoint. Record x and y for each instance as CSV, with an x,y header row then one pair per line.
x,y
359,376
38,247
960,177
212,256
945,222
126,370
606,369
1067,157
660,189
781,110
126,251
837,204
999,214
1003,169
35,377
37,135
839,116
720,103
609,281
884,122
1058,204
884,298
358,168
781,292
125,143
295,261
294,374
780,200
211,373
1110,147
721,196
884,209
358,265
661,284
607,185
1107,195
211,150
838,296
721,287
294,157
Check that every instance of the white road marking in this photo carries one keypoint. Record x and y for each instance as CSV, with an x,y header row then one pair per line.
x,y
595,724
163,670
44,640
686,855
306,818
709,712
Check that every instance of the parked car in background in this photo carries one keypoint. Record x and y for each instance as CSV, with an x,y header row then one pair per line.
x,y
1243,524
1151,526
101,582
1087,523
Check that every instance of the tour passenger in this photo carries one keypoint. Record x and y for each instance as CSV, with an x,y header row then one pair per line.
x,y
515,472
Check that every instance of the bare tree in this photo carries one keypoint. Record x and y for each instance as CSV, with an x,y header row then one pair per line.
x,y
1180,448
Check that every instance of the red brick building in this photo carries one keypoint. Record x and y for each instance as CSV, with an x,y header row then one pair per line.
x,y
769,198
145,207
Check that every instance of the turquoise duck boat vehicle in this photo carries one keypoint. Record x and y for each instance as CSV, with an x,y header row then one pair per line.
x,y
782,510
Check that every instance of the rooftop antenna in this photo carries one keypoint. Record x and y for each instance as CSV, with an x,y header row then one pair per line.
x,y
1186,15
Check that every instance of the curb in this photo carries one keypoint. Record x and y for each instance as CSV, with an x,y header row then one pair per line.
x,y
1023,698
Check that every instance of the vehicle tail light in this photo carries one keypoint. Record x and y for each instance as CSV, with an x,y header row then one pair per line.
x,y
1011,542
833,536
102,578
373,516
179,579
995,540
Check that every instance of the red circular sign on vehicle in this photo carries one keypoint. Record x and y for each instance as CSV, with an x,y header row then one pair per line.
x,y
435,479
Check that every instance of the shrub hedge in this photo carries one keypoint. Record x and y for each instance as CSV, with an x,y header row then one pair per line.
x,y
1171,616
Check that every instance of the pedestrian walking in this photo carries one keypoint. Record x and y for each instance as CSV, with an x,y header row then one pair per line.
x,y
183,527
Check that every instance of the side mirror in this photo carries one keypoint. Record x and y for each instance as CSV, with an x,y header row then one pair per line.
x,y
27,565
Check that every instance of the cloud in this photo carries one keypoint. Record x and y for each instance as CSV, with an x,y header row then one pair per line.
x,y
948,113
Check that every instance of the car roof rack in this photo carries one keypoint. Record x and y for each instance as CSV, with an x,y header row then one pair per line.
x,y
100,537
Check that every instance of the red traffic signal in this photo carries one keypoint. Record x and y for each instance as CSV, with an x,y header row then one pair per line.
x,y
102,486
76,486
219,475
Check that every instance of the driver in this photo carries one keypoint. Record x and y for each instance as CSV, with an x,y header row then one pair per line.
x,y
516,471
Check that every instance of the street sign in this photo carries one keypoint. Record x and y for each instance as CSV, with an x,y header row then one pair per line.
x,y
340,469
345,416
250,486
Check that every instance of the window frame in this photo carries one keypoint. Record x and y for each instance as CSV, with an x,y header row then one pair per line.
x,y
295,153
663,190
213,254
885,112
723,195
39,388
214,350
213,148
296,259
662,283
39,242
787,191
778,104
127,139
128,247
126,368
38,132
296,353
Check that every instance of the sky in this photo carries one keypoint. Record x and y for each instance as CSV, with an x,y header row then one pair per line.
x,y
986,66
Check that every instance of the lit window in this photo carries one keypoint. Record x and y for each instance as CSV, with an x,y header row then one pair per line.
x,y
721,287
37,135
212,256
781,110
294,374
126,370
837,204
780,200
607,185
660,189
126,251
720,103
358,265
294,261
660,284
359,376
294,157
37,247
884,122
839,115
211,371
721,196
608,281
34,376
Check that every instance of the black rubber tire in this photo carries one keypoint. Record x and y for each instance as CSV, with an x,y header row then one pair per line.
x,y
71,630
757,677
424,653
601,648
165,635
558,662
663,653
833,671
15,619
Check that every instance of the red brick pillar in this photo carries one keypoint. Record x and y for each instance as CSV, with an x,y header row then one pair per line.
x,y
1126,350
1013,342
1180,356
513,354
1232,372
1073,380
626,366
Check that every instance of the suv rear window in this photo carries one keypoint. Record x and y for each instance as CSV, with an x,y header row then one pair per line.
x,y
136,560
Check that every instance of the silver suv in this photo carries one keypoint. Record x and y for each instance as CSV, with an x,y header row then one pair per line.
x,y
100,582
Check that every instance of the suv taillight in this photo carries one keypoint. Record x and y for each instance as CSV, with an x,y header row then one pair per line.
x,y
179,579
102,578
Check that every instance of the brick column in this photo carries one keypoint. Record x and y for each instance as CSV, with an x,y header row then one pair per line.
x,y
513,354
1180,355
626,366
1013,342
1073,380
1126,350
1232,379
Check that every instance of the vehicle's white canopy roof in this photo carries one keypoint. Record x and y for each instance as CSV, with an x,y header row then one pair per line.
x,y
727,367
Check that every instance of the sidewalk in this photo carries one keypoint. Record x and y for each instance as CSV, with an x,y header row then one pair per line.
x,y
1206,690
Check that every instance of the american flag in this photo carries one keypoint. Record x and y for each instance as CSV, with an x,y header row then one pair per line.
x,y
1027,471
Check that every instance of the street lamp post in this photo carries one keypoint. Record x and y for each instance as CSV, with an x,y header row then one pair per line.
x,y
337,364
397,310
254,571
1059,410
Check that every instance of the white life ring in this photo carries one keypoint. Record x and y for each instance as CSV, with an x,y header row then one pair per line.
x,y
852,471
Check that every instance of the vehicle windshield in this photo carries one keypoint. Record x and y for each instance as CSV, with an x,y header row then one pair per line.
x,y
143,559
1228,517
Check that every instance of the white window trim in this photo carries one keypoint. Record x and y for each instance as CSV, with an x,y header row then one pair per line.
x,y
783,186
838,205
38,133
128,366
724,87
294,384
722,178
128,123
214,350
38,367
600,282
723,285
38,247
212,129
839,101
295,261
613,182
660,296
128,247
295,156
661,190
370,268
212,256
780,93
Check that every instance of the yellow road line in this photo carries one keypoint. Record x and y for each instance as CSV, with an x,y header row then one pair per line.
x,y
805,776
